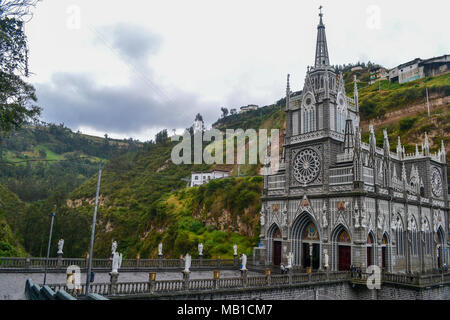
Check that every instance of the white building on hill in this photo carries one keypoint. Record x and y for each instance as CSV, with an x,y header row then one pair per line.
x,y
199,178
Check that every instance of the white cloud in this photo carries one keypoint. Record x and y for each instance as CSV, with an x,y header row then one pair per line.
x,y
217,53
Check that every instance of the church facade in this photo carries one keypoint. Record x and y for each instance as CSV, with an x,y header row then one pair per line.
x,y
336,201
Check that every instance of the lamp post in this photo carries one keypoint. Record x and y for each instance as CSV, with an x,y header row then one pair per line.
x,y
48,247
94,221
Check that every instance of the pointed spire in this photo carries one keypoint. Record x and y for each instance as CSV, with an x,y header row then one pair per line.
x,y
399,148
288,93
372,146
348,137
443,152
417,150
355,93
426,146
288,86
322,59
386,145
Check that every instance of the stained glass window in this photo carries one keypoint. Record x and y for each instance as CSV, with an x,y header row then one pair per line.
x,y
344,237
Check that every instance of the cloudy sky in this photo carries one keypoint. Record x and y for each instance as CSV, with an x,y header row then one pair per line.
x,y
130,68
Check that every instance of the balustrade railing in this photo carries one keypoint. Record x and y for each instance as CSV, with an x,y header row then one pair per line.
x,y
55,263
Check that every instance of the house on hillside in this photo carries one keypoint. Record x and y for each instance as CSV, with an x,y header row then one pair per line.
x,y
249,108
378,74
199,178
418,69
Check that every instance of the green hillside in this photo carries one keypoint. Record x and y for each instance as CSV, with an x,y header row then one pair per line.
x,y
144,199
36,161
12,207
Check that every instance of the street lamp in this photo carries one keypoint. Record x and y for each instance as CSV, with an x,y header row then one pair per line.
x,y
48,247
94,221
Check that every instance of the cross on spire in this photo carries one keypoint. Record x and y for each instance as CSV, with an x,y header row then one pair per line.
x,y
322,58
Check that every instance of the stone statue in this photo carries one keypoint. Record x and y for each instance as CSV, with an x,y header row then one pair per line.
x,y
114,247
60,246
324,216
356,216
235,250
160,249
200,249
380,221
284,216
325,259
117,262
363,218
244,262
187,263
290,259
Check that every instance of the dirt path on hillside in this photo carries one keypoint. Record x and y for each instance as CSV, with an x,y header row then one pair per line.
x,y
412,110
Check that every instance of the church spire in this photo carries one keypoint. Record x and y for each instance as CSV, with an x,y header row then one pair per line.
x,y
322,59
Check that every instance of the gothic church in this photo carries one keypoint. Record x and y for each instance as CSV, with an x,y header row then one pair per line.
x,y
336,201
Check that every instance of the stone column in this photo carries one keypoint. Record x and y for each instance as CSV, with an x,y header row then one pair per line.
x,y
60,259
28,262
290,272
268,277
236,260
114,278
201,260
160,257
216,277
186,276
151,281
244,277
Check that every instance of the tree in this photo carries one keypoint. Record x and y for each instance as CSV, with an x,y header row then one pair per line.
x,y
224,112
233,111
17,97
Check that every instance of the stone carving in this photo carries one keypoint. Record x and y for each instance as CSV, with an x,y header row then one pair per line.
x,y
187,263
244,262
200,249
235,250
380,221
290,259
364,220
356,215
114,247
284,217
263,217
306,166
324,216
326,259
60,246
117,262
160,252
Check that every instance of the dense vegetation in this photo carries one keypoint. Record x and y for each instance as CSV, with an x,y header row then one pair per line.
x,y
144,199
37,161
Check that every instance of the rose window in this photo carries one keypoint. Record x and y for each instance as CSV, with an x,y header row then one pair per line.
x,y
306,166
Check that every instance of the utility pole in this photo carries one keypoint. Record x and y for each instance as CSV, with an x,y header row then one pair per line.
x,y
48,247
428,104
94,221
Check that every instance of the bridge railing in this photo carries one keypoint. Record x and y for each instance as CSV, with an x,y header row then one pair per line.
x,y
167,286
60,263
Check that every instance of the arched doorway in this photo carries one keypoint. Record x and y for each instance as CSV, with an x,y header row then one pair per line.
x,y
342,248
311,247
305,238
275,241
370,256
384,251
